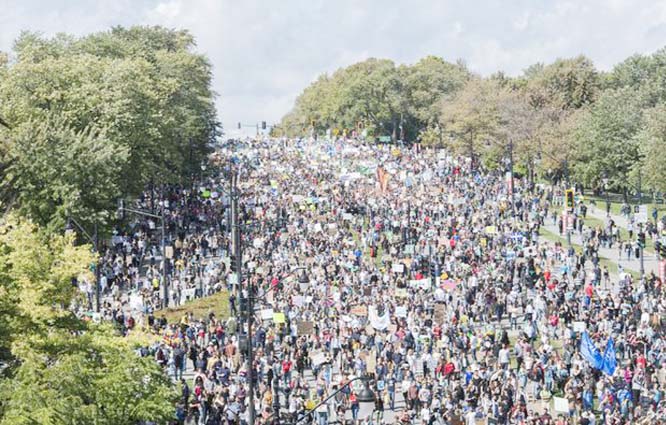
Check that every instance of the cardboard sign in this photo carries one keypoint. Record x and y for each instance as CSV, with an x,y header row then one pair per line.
x,y
398,268
267,314
440,313
305,327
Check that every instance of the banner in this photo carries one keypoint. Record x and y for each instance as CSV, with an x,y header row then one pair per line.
x,y
609,361
590,352
378,322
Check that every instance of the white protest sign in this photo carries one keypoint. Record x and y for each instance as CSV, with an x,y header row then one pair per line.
x,y
560,405
267,314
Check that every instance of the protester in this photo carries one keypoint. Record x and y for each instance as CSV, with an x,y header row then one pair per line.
x,y
405,266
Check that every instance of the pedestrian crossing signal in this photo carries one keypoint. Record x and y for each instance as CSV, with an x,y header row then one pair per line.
x,y
570,198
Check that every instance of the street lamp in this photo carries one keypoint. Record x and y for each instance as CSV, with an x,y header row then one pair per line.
x,y
250,348
604,180
94,240
366,399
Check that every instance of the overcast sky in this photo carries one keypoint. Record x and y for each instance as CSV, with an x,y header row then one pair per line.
x,y
265,51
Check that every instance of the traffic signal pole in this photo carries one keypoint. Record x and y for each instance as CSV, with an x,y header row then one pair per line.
x,y
237,253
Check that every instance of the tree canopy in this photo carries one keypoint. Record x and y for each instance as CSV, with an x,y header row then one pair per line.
x,y
108,113
563,120
61,369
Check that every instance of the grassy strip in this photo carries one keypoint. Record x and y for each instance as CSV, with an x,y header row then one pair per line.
x,y
217,303
616,204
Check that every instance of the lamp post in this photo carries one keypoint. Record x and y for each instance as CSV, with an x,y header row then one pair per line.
x,y
94,240
121,209
250,349
604,180
366,398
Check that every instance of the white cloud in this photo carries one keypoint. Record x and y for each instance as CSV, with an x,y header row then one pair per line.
x,y
264,52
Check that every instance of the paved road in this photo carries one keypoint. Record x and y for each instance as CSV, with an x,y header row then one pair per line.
x,y
612,254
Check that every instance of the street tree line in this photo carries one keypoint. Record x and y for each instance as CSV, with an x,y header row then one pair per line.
x,y
89,120
83,122
561,121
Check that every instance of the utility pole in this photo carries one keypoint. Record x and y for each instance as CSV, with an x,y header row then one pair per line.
x,y
513,205
97,271
165,286
238,252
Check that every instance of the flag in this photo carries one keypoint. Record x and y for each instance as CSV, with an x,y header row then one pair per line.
x,y
609,362
590,352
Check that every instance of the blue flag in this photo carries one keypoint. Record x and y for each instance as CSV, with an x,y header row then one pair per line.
x,y
590,352
609,361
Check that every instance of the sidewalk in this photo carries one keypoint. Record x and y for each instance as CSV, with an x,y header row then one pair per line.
x,y
612,254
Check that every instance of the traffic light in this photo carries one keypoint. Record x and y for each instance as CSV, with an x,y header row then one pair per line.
x,y
570,198
239,126
312,123
232,264
263,125
641,239
434,270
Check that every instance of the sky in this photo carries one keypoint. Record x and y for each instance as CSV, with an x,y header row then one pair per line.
x,y
264,52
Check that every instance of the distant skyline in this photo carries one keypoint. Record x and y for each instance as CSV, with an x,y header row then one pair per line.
x,y
265,52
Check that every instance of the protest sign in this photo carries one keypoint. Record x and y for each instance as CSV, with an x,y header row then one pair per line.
x,y
305,327
279,318
359,310
267,314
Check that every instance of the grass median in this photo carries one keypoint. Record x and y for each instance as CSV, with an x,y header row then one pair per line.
x,y
217,303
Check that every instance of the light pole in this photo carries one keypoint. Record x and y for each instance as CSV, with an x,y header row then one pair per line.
x,y
94,240
121,209
365,396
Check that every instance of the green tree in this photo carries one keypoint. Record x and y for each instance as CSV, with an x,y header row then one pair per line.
x,y
62,370
605,139
472,117
565,84
143,88
651,140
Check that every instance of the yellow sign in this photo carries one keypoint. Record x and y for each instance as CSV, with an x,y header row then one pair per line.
x,y
278,318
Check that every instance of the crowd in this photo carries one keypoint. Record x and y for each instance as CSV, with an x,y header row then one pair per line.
x,y
416,271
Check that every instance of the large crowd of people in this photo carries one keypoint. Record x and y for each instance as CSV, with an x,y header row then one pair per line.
x,y
430,279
